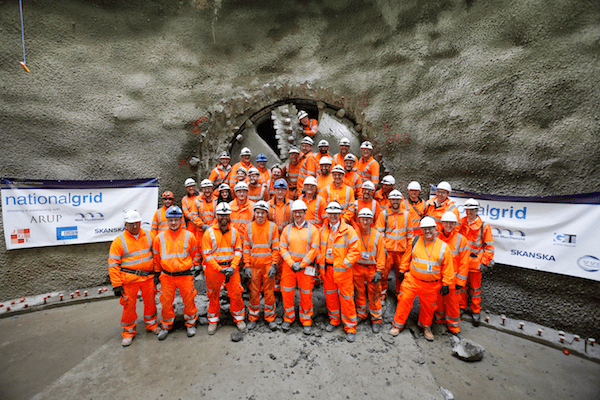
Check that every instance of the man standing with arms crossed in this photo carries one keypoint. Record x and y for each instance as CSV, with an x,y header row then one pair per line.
x,y
131,269
175,255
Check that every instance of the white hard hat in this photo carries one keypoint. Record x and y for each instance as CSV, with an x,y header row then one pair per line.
x,y
206,183
189,182
444,186
243,169
365,213
294,149
368,185
323,143
334,208
299,205
310,180
325,160
395,194
254,171
388,180
350,157
308,140
427,222
449,216
132,216
414,185
240,186
302,114
223,208
344,142
471,204
224,186
366,145
245,152
338,169
261,205
225,154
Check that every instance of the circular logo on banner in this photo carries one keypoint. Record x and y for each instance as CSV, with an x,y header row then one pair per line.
x,y
589,263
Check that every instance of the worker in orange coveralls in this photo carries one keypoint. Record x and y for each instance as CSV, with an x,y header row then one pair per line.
x,y
393,224
245,162
131,269
261,257
368,270
440,203
387,185
481,257
280,212
176,254
426,270
339,251
298,246
291,172
222,172
308,126
351,177
222,251
204,209
187,203
256,190
366,200
339,191
308,163
159,223
367,167
338,158
415,206
241,208
448,307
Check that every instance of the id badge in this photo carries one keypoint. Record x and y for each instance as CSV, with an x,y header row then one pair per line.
x,y
310,271
329,251
365,255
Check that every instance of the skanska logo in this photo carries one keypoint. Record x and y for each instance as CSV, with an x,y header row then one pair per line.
x,y
589,263
537,256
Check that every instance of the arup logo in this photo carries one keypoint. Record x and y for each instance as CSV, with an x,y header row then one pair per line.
x,y
509,234
565,239
66,233
589,263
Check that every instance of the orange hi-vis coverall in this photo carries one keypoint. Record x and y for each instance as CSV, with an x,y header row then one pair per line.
x,y
427,268
343,195
281,214
241,216
256,193
159,222
368,170
265,175
382,199
221,175
323,181
175,253
436,211
352,179
316,210
339,251
130,265
416,211
222,250
448,307
358,205
261,251
371,260
204,215
338,159
298,244
291,173
187,206
394,227
481,251
233,174
308,167
312,128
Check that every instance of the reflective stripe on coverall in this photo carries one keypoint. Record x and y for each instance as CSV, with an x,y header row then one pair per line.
x,y
315,210
394,226
372,259
241,216
187,205
368,170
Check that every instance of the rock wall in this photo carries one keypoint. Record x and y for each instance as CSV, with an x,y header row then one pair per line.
x,y
497,97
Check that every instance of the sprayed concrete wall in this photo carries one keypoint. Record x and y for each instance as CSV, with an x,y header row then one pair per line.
x,y
497,97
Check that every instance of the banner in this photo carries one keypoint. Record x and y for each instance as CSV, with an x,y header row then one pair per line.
x,y
52,213
555,234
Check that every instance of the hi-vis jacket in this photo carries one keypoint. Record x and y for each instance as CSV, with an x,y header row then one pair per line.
x,y
280,213
220,175
159,223
261,244
205,213
241,216
299,244
368,170
372,250
394,226
481,242
175,251
429,263
460,254
130,253
316,210
340,249
221,250
343,195
436,212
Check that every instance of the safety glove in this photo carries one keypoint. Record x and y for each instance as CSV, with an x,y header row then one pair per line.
x,y
376,277
156,278
458,287
296,266
444,290
400,276
483,268
118,291
248,272
229,271
272,271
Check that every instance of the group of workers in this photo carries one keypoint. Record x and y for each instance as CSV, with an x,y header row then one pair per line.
x,y
316,220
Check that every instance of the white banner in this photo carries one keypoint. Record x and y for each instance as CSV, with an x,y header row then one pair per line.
x,y
52,213
555,234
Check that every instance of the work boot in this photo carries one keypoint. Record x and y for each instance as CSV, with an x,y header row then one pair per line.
x,y
428,334
462,311
476,319
330,328
350,337
241,326
162,335
126,341
156,330
212,328
395,331
191,331
251,325
457,334
376,327
307,330
286,326
273,325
